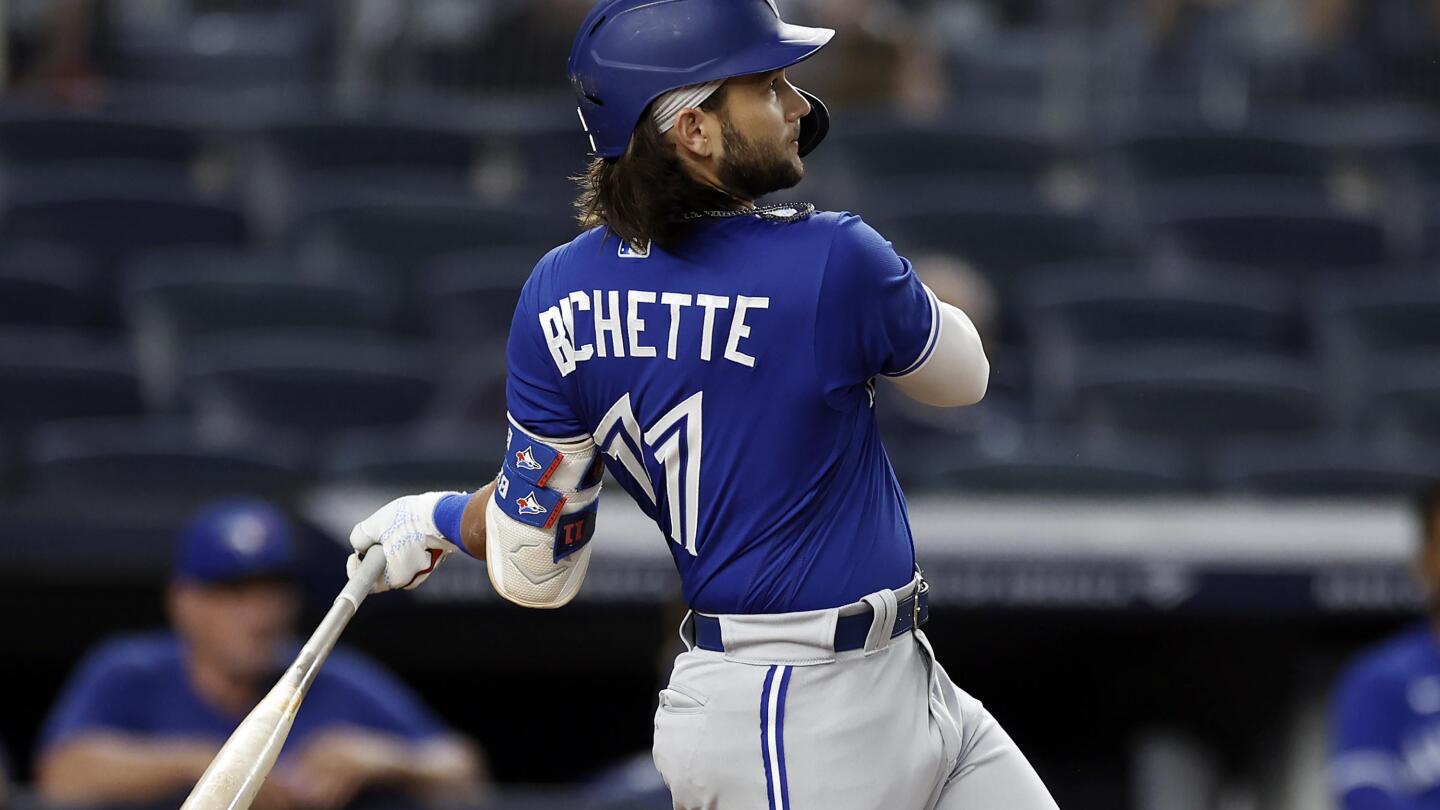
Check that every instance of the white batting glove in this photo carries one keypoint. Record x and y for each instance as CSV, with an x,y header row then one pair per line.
x,y
404,529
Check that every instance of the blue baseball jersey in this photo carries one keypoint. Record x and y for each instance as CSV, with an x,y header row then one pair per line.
x,y
730,387
1385,727
138,685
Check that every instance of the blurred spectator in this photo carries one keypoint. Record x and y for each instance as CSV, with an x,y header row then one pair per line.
x,y
1385,718
143,716
881,58
54,48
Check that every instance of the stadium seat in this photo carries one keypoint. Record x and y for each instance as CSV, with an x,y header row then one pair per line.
x,y
1315,466
1119,308
1405,395
116,225
308,383
1284,241
30,138
426,457
1198,398
410,234
324,163
467,301
1059,462
44,284
1178,155
126,542
884,150
116,457
197,301
50,375
999,235
1359,323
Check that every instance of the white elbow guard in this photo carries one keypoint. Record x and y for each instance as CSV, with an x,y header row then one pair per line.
x,y
539,523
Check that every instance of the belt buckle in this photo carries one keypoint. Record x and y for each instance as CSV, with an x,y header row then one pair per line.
x,y
920,589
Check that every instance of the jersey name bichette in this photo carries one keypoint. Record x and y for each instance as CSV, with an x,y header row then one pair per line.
x,y
625,322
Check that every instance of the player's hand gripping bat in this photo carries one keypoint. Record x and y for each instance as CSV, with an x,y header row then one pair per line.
x,y
238,771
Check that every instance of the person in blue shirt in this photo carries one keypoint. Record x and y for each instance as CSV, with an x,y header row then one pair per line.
x,y
1385,711
142,716
720,359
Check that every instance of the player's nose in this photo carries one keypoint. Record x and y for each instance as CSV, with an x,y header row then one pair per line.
x,y
797,106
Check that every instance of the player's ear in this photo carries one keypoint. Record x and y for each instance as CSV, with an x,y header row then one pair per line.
x,y
697,133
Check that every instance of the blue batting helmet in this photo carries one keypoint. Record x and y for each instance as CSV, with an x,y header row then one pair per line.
x,y
630,52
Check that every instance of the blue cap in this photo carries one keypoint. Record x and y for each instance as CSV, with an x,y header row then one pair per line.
x,y
234,540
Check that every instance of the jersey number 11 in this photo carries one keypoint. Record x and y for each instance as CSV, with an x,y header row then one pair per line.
x,y
675,440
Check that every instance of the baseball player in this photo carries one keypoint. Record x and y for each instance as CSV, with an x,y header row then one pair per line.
x,y
720,360
1385,710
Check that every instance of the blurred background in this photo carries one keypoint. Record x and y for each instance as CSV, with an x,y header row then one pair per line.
x,y
271,247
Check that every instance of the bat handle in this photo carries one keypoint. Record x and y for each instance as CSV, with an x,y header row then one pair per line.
x,y
372,567
317,649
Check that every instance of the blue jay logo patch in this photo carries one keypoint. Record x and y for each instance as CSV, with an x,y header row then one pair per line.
x,y
530,504
525,459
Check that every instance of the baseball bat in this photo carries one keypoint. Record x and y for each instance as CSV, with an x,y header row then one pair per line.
x,y
238,771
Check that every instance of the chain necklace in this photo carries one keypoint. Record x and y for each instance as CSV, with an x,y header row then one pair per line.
x,y
775,212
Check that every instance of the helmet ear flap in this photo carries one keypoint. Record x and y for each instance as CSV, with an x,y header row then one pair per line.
x,y
813,127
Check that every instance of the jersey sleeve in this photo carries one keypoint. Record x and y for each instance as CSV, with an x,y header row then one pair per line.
x,y
1366,767
533,388
102,695
873,315
374,698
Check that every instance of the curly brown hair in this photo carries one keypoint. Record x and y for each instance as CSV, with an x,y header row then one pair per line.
x,y
643,195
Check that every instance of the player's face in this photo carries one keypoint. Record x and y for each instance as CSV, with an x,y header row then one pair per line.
x,y
761,127
237,628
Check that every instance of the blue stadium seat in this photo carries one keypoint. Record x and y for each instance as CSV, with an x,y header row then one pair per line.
x,y
998,235
1405,396
1096,309
116,225
118,457
884,150
462,298
1285,241
30,138
426,457
48,375
192,301
1059,462
309,383
1360,323
1198,398
1317,466
43,284
409,235
1075,318
129,541
1175,155
323,163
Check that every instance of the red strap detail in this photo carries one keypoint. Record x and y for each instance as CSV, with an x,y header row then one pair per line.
x,y
555,513
549,471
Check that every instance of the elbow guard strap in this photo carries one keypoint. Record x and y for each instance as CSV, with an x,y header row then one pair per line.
x,y
541,519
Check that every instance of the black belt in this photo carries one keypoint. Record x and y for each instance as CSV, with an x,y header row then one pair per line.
x,y
850,631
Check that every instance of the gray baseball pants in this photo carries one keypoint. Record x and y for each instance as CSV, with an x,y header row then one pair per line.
x,y
782,721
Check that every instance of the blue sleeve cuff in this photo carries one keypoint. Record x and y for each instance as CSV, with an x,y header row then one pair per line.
x,y
448,512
